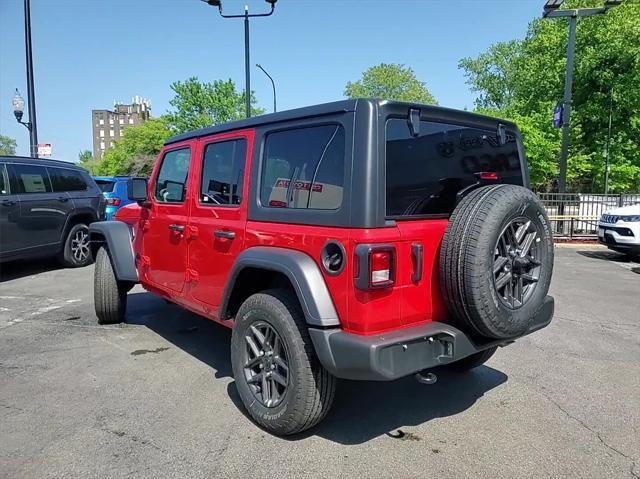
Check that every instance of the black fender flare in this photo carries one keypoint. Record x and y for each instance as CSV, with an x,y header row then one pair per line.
x,y
117,236
303,273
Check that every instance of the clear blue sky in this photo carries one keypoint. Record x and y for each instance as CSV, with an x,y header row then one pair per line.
x,y
89,52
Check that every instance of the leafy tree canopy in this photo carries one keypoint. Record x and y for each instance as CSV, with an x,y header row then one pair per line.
x,y
7,146
86,161
390,81
524,79
199,104
136,151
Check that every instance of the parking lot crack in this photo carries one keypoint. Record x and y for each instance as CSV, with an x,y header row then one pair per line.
x,y
596,434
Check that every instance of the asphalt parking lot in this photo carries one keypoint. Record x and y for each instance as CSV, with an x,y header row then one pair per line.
x,y
154,397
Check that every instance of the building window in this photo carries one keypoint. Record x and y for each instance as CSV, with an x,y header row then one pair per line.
x,y
121,121
111,144
101,121
112,133
101,133
102,145
131,121
111,120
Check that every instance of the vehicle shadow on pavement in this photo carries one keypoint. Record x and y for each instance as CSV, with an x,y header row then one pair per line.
x,y
607,256
205,340
361,411
21,268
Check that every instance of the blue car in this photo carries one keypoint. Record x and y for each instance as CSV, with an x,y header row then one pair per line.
x,y
114,189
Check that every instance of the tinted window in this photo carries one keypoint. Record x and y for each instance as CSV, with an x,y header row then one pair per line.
x,y
106,186
171,185
425,173
223,172
313,158
66,180
32,179
4,181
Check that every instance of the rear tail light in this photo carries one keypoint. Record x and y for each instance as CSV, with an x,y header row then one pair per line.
x,y
113,201
375,266
380,268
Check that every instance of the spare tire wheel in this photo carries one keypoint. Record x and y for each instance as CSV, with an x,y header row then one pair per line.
x,y
496,261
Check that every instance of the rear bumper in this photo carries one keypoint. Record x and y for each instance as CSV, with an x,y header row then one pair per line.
x,y
392,355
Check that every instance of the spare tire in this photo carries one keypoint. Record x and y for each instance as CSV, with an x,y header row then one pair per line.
x,y
496,261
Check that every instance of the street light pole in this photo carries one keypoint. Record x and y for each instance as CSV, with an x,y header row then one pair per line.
x,y
273,85
31,95
247,70
246,16
551,10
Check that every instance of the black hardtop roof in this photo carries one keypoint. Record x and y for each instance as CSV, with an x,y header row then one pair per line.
x,y
40,161
331,108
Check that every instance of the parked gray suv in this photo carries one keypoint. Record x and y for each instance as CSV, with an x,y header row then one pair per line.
x,y
45,209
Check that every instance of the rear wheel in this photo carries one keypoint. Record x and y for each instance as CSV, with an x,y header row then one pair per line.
x,y
473,361
496,261
109,294
76,251
279,378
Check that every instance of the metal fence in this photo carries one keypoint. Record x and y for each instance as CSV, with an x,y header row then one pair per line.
x,y
575,215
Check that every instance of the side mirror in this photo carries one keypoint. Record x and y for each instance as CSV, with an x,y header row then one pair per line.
x,y
137,189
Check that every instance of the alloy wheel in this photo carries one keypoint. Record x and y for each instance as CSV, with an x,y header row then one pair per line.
x,y
266,367
80,246
516,263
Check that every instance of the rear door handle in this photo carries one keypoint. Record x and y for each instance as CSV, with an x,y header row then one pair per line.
x,y
177,228
63,199
224,234
8,203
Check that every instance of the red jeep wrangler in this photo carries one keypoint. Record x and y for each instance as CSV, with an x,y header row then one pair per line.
x,y
361,239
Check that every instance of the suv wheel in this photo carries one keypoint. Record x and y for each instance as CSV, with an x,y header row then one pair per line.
x,y
279,378
496,261
109,294
76,252
473,361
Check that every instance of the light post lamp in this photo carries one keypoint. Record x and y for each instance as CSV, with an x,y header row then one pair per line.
x,y
18,110
273,85
551,10
246,16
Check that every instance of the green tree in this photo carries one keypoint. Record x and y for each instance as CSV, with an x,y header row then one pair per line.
x,y
199,104
524,79
7,146
136,151
390,81
86,161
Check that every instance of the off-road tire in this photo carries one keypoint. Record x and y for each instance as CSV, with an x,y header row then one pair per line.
x,y
67,257
473,361
109,294
311,389
467,260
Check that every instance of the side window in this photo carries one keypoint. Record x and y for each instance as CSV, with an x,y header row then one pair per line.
x,y
171,184
304,168
5,189
223,172
32,179
63,179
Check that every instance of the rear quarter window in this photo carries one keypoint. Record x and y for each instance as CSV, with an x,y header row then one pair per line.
x,y
425,173
63,179
106,186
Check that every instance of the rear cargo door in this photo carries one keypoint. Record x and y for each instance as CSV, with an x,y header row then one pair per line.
x,y
425,172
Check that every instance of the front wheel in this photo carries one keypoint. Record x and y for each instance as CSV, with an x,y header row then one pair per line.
x,y
109,294
281,383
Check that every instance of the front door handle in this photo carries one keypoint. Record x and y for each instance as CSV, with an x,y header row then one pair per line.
x,y
177,228
8,203
63,199
224,234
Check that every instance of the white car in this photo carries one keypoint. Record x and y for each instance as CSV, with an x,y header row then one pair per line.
x,y
619,229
